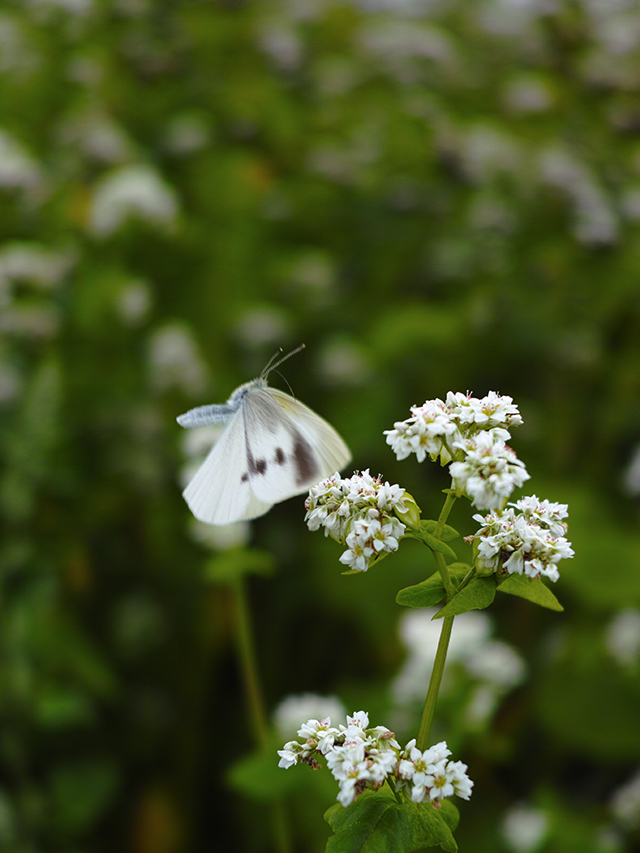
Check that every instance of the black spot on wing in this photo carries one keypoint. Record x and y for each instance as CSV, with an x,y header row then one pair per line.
x,y
306,468
281,457
261,466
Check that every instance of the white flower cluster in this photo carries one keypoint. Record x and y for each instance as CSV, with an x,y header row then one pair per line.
x,y
489,472
360,513
361,757
471,434
438,427
527,537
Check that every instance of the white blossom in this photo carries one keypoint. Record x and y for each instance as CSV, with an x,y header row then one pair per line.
x,y
291,710
437,427
490,471
358,512
528,542
361,756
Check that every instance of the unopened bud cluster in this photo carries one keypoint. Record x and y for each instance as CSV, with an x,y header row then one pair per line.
x,y
361,757
527,537
360,512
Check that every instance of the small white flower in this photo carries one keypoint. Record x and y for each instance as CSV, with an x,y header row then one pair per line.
x,y
526,543
361,757
436,428
304,706
489,472
357,512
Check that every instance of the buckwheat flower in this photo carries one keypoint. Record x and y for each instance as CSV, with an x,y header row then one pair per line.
x,y
487,413
489,473
319,734
524,543
304,706
361,756
425,433
360,512
436,428
430,776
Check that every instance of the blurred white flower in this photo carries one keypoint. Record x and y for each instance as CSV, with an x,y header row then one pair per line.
x,y
497,663
131,191
220,537
622,636
524,828
420,635
342,362
625,802
187,133
18,169
72,7
594,219
631,476
527,94
263,325
133,302
294,710
34,263
281,43
96,135
175,360
17,54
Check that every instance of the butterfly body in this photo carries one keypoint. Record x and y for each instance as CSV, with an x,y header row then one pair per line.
x,y
273,447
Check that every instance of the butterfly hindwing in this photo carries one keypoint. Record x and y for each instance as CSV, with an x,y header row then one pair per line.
x,y
219,493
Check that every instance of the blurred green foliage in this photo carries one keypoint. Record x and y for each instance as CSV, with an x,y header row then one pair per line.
x,y
431,195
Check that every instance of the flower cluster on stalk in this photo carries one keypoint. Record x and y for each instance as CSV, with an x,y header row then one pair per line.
x,y
527,537
360,512
361,757
470,433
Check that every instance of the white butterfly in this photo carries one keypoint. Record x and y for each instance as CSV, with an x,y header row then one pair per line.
x,y
272,448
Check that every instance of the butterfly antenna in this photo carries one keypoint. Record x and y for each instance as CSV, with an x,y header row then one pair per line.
x,y
273,364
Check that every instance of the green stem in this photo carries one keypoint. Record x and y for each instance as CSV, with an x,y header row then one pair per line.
x,y
445,635
247,654
434,684
440,560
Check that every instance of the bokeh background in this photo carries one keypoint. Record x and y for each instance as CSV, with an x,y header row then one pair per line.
x,y
432,195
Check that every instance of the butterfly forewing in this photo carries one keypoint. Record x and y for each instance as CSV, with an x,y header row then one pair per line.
x,y
290,447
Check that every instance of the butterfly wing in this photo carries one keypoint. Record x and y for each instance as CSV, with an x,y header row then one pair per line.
x,y
220,491
289,447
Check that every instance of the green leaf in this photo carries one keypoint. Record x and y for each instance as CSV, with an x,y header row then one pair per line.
x,y
377,823
234,564
431,591
436,544
476,596
532,589
448,533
